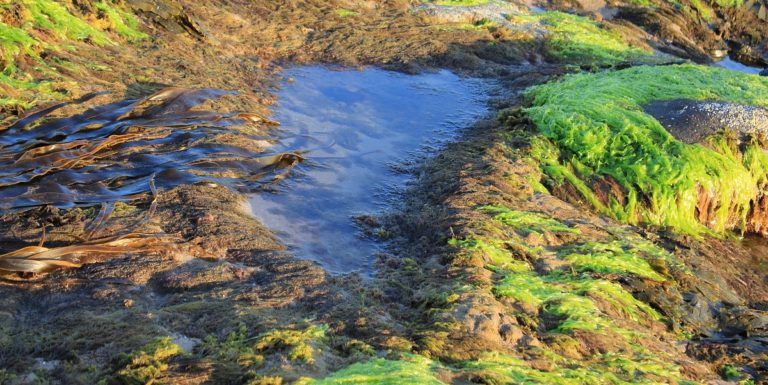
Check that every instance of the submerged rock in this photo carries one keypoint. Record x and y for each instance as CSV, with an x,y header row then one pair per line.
x,y
691,121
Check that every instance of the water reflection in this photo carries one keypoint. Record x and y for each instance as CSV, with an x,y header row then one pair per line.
x,y
357,125
733,65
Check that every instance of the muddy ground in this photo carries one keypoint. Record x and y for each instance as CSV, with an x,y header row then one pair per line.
x,y
212,278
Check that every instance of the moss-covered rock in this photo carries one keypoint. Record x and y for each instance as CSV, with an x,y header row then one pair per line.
x,y
573,39
410,369
595,128
30,28
143,367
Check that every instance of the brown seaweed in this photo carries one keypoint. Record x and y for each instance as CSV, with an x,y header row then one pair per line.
x,y
111,152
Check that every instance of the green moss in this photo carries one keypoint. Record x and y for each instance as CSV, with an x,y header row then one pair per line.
x,y
265,380
527,221
236,348
701,6
571,300
598,128
410,369
579,40
548,157
479,24
123,23
123,209
611,257
730,372
564,296
730,3
50,25
497,368
13,42
147,364
346,13
461,3
53,17
298,342
495,253
641,3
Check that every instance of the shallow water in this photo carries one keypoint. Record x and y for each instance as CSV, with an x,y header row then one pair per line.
x,y
733,65
362,129
120,151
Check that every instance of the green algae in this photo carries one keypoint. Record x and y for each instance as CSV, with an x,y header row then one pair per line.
x,y
237,348
597,128
527,221
410,369
48,25
346,13
563,293
123,23
730,3
461,3
478,25
495,253
616,257
497,368
13,42
297,342
565,302
578,40
706,12
55,18
244,354
570,299
146,365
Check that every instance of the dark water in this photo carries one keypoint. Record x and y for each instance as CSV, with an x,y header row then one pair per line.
x,y
362,129
733,65
123,150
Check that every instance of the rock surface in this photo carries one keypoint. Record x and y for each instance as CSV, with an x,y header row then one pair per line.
x,y
692,121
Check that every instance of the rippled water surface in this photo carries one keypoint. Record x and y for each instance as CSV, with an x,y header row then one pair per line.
x,y
733,65
362,129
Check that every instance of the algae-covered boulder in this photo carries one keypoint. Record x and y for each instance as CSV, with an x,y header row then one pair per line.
x,y
692,121
596,130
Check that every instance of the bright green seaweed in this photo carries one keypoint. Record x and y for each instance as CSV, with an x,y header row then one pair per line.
x,y
569,299
575,39
497,368
597,128
410,369
527,221
60,27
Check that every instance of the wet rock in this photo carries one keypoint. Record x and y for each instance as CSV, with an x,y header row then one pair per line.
x,y
747,55
511,333
43,364
691,121
764,72
744,321
485,326
698,312
528,341
187,344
